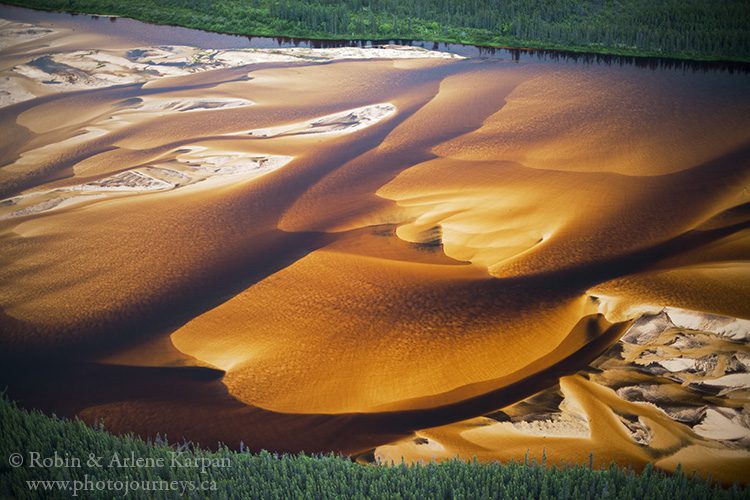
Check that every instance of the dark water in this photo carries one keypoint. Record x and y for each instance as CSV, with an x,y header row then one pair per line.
x,y
150,34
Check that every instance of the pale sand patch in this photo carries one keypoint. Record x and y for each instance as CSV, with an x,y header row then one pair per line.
x,y
733,380
12,91
160,104
13,33
678,364
563,425
723,424
86,69
192,165
699,353
732,328
251,56
81,70
208,161
343,122
131,180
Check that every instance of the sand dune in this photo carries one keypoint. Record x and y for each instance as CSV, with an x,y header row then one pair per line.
x,y
414,254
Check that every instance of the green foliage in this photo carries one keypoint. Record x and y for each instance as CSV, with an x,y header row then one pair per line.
x,y
266,475
697,29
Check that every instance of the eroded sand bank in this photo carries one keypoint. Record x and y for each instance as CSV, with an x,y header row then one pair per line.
x,y
412,254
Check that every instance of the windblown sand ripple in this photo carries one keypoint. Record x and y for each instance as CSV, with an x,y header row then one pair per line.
x,y
408,256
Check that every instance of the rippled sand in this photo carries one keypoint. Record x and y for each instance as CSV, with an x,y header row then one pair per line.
x,y
406,256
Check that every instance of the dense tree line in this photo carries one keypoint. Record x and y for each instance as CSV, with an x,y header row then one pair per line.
x,y
695,26
701,29
241,474
704,27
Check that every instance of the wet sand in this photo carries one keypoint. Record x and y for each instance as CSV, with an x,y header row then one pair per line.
x,y
383,252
